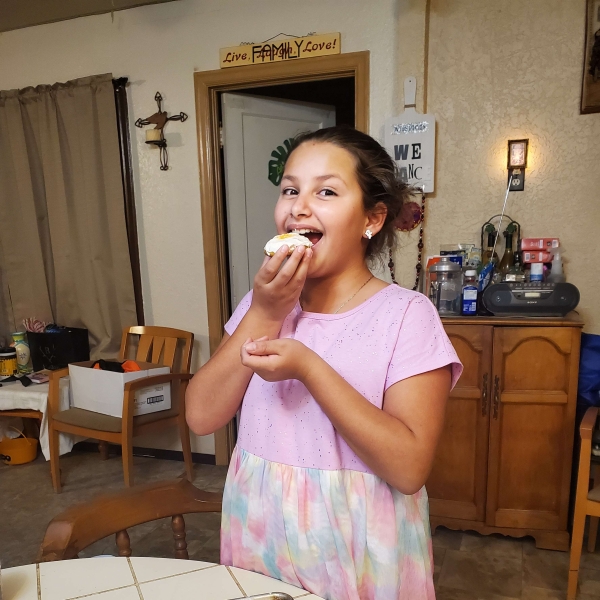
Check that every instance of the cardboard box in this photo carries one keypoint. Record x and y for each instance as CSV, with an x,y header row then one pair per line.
x,y
539,243
536,257
102,391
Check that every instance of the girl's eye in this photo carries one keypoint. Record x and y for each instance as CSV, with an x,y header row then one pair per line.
x,y
288,192
327,192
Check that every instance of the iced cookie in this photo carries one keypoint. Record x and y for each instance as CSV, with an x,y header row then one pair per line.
x,y
291,240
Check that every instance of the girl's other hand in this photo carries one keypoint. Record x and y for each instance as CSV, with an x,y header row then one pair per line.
x,y
277,360
277,288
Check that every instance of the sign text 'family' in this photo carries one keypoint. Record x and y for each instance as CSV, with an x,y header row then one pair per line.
x,y
278,50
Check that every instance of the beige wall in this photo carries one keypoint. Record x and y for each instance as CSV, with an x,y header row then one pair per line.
x,y
159,47
501,70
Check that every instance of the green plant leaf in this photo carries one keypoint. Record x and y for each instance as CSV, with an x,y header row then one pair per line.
x,y
277,164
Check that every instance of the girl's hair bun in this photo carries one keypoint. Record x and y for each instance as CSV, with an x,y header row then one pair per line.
x,y
377,175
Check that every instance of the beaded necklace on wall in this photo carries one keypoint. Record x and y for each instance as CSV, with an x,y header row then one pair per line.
x,y
409,218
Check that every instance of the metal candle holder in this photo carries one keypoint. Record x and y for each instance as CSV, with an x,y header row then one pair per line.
x,y
155,136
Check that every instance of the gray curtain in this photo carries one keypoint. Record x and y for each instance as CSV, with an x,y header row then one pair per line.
x,y
64,256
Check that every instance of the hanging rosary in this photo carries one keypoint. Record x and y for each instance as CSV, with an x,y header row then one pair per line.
x,y
411,215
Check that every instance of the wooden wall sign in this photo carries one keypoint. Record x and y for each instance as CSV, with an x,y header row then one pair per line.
x,y
410,140
278,50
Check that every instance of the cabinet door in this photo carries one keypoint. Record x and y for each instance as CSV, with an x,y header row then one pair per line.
x,y
457,484
531,426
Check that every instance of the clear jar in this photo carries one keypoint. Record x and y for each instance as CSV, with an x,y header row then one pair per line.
x,y
444,286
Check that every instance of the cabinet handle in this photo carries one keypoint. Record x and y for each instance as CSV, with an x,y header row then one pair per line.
x,y
496,396
484,395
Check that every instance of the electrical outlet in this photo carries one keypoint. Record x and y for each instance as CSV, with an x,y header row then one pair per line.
x,y
517,184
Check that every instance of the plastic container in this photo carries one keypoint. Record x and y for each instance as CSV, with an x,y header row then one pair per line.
x,y
537,272
444,286
18,451
557,274
469,293
8,362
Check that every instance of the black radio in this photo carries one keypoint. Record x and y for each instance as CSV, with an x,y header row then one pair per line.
x,y
535,299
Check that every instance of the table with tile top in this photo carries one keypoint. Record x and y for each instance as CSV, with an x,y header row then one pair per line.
x,y
137,578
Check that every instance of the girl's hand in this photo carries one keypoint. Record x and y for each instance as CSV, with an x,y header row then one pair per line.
x,y
277,288
277,360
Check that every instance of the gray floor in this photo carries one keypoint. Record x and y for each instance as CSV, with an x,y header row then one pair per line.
x,y
28,503
467,566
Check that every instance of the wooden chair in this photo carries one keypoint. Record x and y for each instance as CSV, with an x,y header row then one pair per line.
x,y
158,345
82,525
587,502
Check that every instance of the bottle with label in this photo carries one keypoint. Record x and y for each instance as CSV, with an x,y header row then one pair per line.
x,y
508,258
517,267
537,272
490,254
469,293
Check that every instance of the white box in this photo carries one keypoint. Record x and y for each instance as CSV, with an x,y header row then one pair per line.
x,y
102,391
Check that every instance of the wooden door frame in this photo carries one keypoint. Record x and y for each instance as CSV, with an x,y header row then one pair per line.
x,y
208,85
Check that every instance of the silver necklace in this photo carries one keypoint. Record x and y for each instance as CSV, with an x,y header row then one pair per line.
x,y
346,302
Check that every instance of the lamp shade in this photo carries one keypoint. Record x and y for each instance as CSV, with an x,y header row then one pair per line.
x,y
517,154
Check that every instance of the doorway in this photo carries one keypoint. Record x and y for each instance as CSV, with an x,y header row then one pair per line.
x,y
341,80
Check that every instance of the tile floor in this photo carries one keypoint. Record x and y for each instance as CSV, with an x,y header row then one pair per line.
x,y
467,566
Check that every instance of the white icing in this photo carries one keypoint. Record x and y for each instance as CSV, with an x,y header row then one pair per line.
x,y
292,240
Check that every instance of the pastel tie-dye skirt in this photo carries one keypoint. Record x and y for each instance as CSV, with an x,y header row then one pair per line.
x,y
342,535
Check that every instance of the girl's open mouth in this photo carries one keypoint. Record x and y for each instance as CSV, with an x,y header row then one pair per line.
x,y
312,234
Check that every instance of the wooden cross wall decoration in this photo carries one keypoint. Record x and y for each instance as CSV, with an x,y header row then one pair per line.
x,y
155,136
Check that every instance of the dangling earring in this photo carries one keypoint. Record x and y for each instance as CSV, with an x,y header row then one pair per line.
x,y
369,233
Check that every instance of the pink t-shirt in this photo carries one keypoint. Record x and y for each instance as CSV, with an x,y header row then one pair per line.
x,y
393,335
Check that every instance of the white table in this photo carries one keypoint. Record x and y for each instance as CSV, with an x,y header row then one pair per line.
x,y
135,578
35,397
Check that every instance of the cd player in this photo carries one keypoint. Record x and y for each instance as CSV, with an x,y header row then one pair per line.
x,y
535,299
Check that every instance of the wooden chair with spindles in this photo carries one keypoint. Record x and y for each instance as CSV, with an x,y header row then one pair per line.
x,y
80,526
159,345
587,502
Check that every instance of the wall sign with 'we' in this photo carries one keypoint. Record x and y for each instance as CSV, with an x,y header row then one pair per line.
x,y
410,140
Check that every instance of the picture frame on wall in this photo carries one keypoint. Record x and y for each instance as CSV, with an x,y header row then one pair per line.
x,y
590,91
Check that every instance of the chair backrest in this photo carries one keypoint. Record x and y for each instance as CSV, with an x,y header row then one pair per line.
x,y
159,345
80,526
586,432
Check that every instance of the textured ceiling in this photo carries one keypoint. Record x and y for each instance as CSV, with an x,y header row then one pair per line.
x,y
16,14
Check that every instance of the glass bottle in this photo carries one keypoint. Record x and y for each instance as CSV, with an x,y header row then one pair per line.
x,y
508,258
490,253
517,268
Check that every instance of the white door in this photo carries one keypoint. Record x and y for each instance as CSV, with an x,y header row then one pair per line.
x,y
256,133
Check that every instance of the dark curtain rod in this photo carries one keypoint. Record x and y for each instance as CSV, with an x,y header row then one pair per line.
x,y
122,110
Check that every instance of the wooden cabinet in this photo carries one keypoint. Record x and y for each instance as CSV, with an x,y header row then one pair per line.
x,y
504,460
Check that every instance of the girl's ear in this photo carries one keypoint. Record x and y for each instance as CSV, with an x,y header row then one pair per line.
x,y
376,218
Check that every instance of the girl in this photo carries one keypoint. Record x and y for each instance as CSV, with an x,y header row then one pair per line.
x,y
342,380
